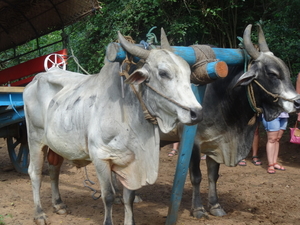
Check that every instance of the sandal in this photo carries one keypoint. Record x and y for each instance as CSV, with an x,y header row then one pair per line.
x,y
278,167
271,171
256,161
173,152
242,163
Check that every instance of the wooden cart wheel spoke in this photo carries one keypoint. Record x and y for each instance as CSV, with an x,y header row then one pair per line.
x,y
49,60
51,67
53,63
15,144
60,63
25,155
19,154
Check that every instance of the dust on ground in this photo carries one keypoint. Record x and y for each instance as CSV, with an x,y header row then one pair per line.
x,y
249,195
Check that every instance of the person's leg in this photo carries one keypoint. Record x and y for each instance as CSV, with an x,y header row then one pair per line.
x,y
242,162
255,145
272,128
174,150
271,149
255,142
275,156
283,124
276,165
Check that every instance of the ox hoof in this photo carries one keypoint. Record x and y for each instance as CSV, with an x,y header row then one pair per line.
x,y
137,199
118,200
60,209
199,213
42,220
217,210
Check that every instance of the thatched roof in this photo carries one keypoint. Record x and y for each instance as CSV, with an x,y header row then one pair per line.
x,y
24,20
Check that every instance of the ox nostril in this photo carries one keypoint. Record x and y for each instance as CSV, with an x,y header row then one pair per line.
x,y
196,114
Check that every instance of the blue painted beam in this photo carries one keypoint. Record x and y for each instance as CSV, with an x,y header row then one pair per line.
x,y
11,116
219,69
184,156
11,108
15,99
115,53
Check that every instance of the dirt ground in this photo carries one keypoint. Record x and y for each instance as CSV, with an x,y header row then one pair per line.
x,y
248,194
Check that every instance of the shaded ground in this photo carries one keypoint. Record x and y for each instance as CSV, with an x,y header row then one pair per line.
x,y
248,194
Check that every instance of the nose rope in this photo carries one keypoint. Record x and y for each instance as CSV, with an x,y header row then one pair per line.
x,y
169,99
252,101
276,96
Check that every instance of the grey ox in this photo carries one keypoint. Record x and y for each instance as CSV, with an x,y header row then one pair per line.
x,y
84,119
230,106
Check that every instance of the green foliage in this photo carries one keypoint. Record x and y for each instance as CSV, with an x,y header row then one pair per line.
x,y
89,38
186,22
282,30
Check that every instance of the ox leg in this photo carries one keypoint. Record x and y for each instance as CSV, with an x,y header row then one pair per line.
x,y
128,197
103,169
54,169
197,210
213,175
35,172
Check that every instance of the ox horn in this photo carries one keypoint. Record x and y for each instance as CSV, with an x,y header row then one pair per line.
x,y
164,40
133,49
248,43
263,46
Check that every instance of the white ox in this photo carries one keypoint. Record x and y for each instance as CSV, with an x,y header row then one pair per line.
x,y
83,118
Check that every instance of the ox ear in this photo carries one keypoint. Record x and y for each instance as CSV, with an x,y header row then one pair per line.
x,y
246,78
137,77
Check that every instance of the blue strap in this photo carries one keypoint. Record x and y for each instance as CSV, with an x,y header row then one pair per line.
x,y
13,107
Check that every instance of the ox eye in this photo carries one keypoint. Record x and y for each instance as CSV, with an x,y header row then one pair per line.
x,y
273,75
164,74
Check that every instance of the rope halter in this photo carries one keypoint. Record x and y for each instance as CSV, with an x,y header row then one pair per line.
x,y
146,112
252,101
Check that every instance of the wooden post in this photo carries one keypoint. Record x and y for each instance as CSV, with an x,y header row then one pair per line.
x,y
184,156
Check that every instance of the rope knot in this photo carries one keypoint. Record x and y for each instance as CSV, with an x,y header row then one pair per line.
x,y
204,55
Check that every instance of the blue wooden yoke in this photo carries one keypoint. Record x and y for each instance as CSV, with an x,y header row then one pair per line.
x,y
115,53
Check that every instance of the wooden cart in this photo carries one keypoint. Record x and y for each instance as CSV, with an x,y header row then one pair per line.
x,y
12,118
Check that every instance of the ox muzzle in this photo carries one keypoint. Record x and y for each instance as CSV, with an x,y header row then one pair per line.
x,y
197,115
297,105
